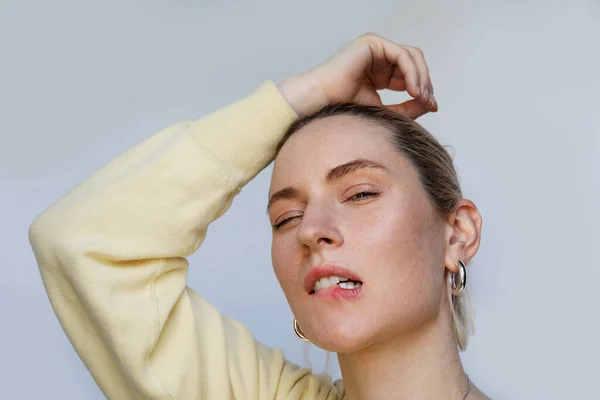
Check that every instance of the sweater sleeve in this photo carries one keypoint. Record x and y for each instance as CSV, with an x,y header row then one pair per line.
x,y
112,255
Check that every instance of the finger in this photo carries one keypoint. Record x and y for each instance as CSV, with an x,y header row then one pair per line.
x,y
395,55
368,96
397,84
386,54
412,109
424,76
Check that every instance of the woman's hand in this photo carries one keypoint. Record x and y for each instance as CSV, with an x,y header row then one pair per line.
x,y
355,74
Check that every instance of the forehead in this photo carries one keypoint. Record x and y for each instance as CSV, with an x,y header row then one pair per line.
x,y
326,143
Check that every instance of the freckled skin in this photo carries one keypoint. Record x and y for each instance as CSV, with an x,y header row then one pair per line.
x,y
395,242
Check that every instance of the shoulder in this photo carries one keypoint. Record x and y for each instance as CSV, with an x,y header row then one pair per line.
x,y
302,383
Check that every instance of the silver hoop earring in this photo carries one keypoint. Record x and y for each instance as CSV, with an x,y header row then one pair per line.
x,y
458,280
298,331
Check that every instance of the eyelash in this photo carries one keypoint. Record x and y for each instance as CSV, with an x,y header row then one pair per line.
x,y
367,194
355,198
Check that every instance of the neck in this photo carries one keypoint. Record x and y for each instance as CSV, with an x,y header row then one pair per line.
x,y
423,364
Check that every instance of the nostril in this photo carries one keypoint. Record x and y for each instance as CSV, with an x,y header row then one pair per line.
x,y
326,240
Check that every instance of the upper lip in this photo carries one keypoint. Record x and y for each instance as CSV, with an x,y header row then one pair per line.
x,y
324,270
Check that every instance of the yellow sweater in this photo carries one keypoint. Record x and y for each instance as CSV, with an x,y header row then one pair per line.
x,y
112,256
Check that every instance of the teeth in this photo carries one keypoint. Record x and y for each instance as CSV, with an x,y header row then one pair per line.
x,y
317,286
342,282
347,285
350,285
325,282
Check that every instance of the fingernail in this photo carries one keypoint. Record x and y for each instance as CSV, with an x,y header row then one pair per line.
x,y
426,95
418,90
432,100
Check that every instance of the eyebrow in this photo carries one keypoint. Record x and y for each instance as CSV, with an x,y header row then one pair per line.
x,y
334,174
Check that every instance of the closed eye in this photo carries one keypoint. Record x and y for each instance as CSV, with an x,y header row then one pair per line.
x,y
280,224
363,196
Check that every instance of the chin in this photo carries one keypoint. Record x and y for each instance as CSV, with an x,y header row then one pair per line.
x,y
344,337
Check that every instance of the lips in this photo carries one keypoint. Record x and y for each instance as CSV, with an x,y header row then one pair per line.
x,y
327,270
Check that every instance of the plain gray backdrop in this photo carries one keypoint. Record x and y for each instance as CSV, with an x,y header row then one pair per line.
x,y
517,84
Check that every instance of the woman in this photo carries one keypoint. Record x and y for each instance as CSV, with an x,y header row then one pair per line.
x,y
370,235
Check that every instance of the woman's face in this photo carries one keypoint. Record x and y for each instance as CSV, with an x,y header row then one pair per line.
x,y
346,204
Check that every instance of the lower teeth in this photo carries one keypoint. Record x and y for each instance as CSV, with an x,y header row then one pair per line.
x,y
349,285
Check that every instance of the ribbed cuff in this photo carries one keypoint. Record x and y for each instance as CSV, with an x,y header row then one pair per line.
x,y
242,137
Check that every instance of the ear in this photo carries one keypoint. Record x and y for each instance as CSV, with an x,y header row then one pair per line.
x,y
463,234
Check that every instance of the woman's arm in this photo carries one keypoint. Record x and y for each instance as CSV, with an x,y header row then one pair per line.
x,y
112,257
112,251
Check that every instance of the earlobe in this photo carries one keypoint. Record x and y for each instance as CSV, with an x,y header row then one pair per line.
x,y
465,234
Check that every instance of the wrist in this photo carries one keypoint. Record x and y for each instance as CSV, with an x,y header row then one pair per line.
x,y
303,94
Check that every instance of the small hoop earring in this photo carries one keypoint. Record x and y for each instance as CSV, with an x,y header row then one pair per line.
x,y
458,280
298,331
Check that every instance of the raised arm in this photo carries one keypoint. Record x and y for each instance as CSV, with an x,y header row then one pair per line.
x,y
112,251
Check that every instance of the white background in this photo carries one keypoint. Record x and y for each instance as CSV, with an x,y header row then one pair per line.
x,y
518,87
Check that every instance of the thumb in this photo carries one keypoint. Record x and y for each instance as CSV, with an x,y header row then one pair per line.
x,y
412,109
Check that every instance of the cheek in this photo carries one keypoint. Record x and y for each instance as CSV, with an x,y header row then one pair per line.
x,y
286,265
406,248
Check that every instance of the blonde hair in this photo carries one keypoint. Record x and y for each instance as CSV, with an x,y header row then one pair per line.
x,y
435,170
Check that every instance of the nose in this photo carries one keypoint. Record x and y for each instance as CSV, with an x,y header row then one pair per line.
x,y
319,228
